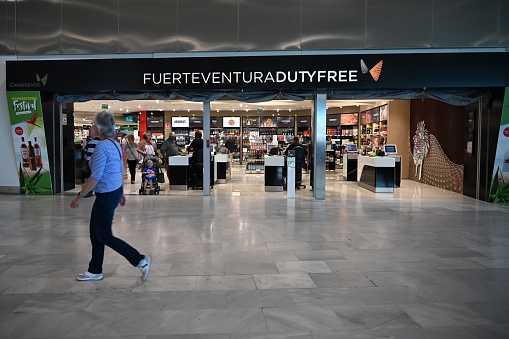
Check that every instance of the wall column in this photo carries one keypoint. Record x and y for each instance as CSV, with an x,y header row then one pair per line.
x,y
206,148
318,144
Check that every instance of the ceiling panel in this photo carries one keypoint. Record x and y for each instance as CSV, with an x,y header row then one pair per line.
x,y
333,24
466,23
269,25
148,26
399,24
89,27
39,27
208,25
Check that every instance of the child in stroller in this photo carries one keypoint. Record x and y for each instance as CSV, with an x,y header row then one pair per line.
x,y
149,175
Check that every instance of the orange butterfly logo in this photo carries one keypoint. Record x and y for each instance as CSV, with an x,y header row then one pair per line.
x,y
375,71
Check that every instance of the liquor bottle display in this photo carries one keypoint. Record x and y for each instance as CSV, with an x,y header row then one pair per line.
x,y
24,153
31,154
37,148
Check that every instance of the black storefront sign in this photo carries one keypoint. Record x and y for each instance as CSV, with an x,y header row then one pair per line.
x,y
286,122
304,121
155,121
195,122
333,120
375,114
250,122
268,72
216,122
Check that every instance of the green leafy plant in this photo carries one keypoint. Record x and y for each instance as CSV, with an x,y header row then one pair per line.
x,y
28,185
499,192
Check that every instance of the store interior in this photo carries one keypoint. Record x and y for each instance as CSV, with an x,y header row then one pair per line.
x,y
368,125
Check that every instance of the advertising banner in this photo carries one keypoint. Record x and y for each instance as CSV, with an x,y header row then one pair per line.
x,y
348,119
500,185
286,122
250,122
29,139
180,122
216,122
196,122
231,122
268,122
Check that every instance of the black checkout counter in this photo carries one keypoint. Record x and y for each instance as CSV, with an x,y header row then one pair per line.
x,y
375,173
222,168
180,174
274,173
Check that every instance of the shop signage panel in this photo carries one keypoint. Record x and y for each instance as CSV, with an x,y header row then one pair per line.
x,y
196,122
375,114
366,71
28,135
304,121
231,122
384,112
286,122
349,119
365,118
333,120
216,122
268,122
155,121
250,122
180,122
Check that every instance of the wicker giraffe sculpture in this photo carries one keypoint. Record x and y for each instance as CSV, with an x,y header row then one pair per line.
x,y
421,147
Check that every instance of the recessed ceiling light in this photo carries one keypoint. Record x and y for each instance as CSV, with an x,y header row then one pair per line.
x,y
174,110
289,110
121,109
189,110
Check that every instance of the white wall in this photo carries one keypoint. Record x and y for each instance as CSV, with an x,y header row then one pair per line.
x,y
9,182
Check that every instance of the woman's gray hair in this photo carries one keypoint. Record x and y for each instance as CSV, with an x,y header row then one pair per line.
x,y
105,124
147,136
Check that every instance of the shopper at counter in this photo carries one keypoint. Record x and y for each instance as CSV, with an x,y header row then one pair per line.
x,y
132,156
295,143
106,180
230,144
196,145
169,149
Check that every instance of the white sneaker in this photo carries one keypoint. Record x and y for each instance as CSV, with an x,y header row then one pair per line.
x,y
144,266
89,276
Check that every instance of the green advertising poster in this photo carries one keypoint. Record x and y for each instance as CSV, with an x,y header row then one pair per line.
x,y
500,185
27,126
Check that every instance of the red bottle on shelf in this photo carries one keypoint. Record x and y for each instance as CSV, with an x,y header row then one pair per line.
x,y
37,149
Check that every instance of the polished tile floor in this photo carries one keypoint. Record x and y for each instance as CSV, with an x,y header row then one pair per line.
x,y
420,263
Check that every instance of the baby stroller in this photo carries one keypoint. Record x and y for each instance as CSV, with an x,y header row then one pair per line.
x,y
157,161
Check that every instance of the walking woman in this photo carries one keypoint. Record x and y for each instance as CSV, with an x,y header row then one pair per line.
x,y
132,155
106,181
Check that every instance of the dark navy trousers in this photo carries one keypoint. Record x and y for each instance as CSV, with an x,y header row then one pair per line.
x,y
101,233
